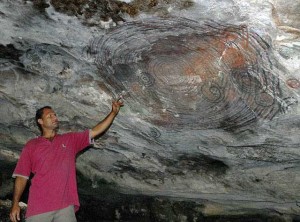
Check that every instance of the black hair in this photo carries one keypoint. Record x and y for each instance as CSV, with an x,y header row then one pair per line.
x,y
39,114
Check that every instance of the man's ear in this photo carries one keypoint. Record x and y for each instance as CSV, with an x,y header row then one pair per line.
x,y
40,121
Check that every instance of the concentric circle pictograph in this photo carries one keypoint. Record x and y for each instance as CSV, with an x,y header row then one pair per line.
x,y
184,73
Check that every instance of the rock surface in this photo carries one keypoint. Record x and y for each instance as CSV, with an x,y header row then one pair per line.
x,y
211,94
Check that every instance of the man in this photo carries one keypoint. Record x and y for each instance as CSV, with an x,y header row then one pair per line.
x,y
51,158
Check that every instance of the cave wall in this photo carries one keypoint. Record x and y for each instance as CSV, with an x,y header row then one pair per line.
x,y
211,94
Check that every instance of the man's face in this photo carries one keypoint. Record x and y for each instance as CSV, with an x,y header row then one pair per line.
x,y
49,120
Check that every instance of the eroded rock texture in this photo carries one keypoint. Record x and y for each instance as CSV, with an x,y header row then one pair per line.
x,y
211,119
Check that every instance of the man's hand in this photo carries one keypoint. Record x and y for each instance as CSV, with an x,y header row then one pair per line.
x,y
105,124
15,213
116,104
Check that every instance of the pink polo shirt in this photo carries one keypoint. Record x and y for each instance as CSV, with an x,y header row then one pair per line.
x,y
53,185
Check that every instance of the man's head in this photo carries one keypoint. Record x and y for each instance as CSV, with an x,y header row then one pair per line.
x,y
46,119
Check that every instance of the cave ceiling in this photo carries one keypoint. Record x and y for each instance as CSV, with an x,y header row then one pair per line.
x,y
211,93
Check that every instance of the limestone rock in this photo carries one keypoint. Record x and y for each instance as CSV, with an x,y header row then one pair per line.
x,y
211,91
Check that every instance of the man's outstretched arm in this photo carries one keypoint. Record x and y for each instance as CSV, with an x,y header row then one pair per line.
x,y
20,184
107,121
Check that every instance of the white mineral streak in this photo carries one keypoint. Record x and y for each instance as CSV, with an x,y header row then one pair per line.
x,y
9,155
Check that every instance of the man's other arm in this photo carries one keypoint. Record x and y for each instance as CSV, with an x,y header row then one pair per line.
x,y
20,184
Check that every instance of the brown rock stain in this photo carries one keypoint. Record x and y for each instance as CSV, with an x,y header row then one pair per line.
x,y
293,83
231,49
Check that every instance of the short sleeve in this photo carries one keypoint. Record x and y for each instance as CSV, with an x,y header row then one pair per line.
x,y
23,167
81,140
